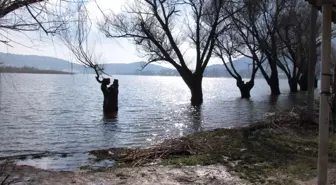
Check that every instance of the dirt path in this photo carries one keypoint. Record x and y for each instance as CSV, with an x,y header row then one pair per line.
x,y
164,175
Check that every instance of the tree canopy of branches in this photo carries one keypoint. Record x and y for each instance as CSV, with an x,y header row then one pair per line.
x,y
294,43
33,15
256,23
233,44
239,41
75,36
158,30
276,29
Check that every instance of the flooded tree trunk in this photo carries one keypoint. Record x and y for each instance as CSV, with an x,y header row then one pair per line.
x,y
293,85
196,91
110,105
245,88
194,83
274,85
274,80
303,82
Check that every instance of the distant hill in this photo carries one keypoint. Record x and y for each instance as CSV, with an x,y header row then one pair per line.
x,y
136,68
39,62
9,69
243,66
51,63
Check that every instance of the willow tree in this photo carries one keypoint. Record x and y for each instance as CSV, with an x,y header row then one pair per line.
x,y
161,29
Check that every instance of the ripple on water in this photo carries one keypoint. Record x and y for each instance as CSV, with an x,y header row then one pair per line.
x,y
63,113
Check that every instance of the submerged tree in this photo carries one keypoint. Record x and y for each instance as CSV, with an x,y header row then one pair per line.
x,y
261,19
157,28
235,43
240,41
76,37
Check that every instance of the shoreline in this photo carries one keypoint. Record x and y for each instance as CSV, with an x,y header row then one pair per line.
x,y
279,150
30,70
39,72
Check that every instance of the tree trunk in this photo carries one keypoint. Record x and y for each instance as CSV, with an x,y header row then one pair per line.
x,y
293,85
303,82
274,84
245,88
110,106
194,82
274,79
196,91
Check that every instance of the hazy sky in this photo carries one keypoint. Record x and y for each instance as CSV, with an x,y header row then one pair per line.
x,y
112,50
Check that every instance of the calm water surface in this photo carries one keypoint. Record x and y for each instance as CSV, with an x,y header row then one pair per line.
x,y
63,113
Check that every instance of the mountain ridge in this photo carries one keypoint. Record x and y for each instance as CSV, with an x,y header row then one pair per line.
x,y
52,63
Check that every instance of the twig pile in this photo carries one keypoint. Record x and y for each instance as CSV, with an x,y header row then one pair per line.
x,y
295,117
139,156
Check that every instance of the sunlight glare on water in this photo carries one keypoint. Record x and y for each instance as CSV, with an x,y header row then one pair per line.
x,y
63,113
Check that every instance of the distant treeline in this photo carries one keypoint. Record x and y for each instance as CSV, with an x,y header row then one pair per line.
x,y
9,69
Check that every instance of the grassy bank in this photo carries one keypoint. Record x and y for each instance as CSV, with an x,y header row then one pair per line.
x,y
280,150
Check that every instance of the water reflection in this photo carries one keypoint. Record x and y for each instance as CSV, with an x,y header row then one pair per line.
x,y
273,99
249,109
296,98
196,118
110,118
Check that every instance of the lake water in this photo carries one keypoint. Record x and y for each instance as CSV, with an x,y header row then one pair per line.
x,y
63,113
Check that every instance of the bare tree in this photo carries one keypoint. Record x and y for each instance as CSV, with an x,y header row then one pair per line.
x,y
232,44
240,41
266,34
156,27
76,38
294,43
261,18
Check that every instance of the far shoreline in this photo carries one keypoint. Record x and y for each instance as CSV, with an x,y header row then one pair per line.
x,y
53,73
33,71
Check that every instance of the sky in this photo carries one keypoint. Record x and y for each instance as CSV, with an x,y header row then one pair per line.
x,y
110,50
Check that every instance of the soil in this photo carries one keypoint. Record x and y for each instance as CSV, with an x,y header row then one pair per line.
x,y
164,175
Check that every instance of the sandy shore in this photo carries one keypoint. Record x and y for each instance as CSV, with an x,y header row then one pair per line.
x,y
212,175
163,175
